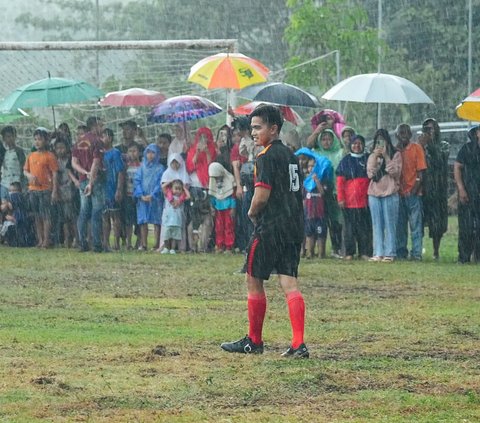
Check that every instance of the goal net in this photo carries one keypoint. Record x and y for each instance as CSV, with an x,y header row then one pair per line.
x,y
155,65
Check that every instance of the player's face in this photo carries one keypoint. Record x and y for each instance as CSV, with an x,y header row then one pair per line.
x,y
263,133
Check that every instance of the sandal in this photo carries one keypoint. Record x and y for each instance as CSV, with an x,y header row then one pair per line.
x,y
388,259
375,258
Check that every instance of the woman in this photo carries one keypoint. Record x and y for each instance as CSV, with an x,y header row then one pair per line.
x,y
352,187
383,168
199,157
329,146
435,183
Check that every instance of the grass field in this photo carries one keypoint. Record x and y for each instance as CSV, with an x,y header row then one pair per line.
x,y
134,337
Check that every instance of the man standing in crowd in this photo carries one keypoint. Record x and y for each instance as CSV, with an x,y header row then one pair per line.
x,y
410,211
277,213
87,160
12,160
467,177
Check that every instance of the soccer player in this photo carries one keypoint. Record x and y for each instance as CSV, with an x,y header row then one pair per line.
x,y
277,213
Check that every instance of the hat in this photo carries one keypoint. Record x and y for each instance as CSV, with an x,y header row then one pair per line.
x,y
130,123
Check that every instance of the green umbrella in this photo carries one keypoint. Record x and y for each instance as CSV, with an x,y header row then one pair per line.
x,y
50,92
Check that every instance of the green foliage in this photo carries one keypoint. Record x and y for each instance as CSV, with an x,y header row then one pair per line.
x,y
317,28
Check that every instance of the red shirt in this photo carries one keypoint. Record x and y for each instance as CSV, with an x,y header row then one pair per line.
x,y
86,150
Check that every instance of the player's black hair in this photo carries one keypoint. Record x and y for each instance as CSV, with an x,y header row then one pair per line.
x,y
269,114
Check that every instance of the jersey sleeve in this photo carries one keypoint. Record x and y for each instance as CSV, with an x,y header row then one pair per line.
x,y
264,176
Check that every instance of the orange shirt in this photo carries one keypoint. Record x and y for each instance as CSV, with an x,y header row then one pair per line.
x,y
41,164
413,161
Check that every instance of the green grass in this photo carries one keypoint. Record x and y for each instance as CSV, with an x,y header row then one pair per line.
x,y
135,337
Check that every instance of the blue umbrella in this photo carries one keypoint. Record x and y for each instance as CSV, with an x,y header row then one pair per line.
x,y
183,108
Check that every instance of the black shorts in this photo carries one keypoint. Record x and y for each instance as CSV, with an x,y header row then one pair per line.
x,y
316,228
41,203
266,254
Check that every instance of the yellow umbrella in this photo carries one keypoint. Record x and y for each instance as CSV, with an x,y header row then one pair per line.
x,y
469,108
228,70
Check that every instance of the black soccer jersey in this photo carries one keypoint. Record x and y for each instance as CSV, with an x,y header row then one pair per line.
x,y
277,169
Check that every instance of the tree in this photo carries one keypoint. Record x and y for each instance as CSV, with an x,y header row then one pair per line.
x,y
317,28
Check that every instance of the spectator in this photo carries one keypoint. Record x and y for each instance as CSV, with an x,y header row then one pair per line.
x,y
176,170
17,229
223,147
163,142
130,130
147,191
384,167
467,178
176,193
66,212
87,160
410,209
221,189
352,187
129,209
12,161
199,157
41,171
180,143
347,136
114,189
329,146
318,177
435,183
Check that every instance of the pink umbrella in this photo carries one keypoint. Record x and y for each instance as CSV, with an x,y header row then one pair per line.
x,y
132,97
288,113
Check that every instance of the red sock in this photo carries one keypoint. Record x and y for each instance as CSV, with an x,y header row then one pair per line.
x,y
296,309
257,306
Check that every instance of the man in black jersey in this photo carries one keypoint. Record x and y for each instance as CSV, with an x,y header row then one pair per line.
x,y
277,213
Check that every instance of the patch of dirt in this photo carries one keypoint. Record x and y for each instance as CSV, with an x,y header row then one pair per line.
x,y
161,351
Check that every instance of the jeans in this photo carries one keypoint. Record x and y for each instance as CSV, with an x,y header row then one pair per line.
x,y
410,213
384,211
91,208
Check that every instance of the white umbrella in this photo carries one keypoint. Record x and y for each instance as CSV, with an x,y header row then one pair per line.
x,y
377,88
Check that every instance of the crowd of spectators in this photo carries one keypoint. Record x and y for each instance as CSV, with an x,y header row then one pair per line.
x,y
191,192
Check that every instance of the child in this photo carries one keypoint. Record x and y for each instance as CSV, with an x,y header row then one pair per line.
x,y
221,189
41,171
176,170
130,207
173,216
17,228
66,211
149,195
114,169
315,225
318,174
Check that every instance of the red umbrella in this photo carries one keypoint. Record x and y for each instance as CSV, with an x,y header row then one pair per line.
x,y
288,113
132,97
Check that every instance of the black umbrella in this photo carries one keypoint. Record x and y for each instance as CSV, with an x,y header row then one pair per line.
x,y
279,93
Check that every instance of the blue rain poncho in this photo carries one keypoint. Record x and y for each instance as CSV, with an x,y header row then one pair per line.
x,y
323,168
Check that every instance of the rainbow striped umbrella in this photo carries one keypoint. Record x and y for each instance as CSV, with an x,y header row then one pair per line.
x,y
229,71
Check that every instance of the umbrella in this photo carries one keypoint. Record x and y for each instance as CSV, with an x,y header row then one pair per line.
x,y
469,108
377,88
228,70
183,108
288,113
50,92
280,93
132,97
